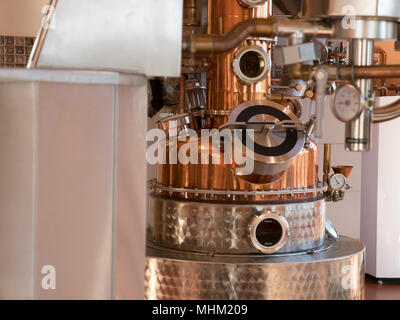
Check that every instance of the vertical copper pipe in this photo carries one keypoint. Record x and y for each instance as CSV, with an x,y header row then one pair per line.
x,y
182,95
327,161
189,13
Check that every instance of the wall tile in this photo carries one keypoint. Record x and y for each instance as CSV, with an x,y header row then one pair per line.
x,y
15,51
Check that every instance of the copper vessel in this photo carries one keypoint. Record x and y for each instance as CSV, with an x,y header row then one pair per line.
x,y
225,90
302,173
344,170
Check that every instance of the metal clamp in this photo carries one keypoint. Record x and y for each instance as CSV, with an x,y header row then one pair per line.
x,y
158,188
270,125
251,64
262,235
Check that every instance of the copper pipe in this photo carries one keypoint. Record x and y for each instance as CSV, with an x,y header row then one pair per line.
x,y
382,53
385,118
189,13
381,114
211,44
390,108
327,162
307,72
384,91
182,94
377,72
389,112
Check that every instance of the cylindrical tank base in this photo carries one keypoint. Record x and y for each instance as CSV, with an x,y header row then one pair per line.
x,y
334,271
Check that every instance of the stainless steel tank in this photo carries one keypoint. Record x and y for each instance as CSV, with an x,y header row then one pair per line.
x,y
335,271
69,226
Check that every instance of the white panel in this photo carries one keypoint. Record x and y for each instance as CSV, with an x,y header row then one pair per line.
x,y
369,201
75,189
135,36
17,166
345,215
333,128
132,192
388,221
381,202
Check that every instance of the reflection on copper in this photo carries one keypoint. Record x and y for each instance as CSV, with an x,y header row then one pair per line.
x,y
302,173
344,170
327,162
259,179
189,13
225,91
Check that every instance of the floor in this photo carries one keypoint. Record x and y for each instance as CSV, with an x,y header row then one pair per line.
x,y
385,291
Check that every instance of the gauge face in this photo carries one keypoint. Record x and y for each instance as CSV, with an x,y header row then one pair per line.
x,y
337,181
347,103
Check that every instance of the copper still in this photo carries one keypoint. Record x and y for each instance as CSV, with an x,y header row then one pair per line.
x,y
210,223
228,88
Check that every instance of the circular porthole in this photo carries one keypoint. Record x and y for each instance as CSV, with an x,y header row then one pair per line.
x,y
251,64
252,3
268,232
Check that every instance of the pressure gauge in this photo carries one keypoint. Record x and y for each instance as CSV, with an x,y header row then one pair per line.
x,y
337,181
347,102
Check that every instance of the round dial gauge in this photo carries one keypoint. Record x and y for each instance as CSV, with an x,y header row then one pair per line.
x,y
347,103
337,181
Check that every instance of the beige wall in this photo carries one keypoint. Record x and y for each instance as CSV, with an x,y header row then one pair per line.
x,y
21,17
345,215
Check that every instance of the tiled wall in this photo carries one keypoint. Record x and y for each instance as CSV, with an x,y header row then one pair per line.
x,y
15,51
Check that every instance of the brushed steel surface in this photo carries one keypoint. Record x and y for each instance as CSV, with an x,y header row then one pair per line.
x,y
277,164
358,131
125,36
223,227
73,191
255,222
264,60
335,8
365,28
333,274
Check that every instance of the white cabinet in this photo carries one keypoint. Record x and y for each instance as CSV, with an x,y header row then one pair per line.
x,y
380,205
